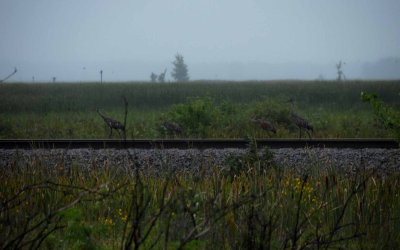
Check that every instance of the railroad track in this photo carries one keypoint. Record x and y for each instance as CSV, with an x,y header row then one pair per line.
x,y
198,143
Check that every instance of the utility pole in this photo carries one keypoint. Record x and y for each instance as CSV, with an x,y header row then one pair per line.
x,y
101,76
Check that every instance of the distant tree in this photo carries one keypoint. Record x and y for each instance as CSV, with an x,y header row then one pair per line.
x,y
161,77
180,71
10,75
153,77
340,74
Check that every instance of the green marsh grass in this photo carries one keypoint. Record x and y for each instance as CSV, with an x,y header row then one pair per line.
x,y
68,110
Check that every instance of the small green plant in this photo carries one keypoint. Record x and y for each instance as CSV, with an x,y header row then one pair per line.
x,y
77,233
251,160
386,115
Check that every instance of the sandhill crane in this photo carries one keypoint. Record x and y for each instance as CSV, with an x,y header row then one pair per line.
x,y
172,127
112,123
299,121
265,125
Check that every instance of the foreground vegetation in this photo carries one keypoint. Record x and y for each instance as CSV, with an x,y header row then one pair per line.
x,y
203,109
248,204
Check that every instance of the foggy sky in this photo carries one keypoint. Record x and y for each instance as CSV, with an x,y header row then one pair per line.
x,y
219,39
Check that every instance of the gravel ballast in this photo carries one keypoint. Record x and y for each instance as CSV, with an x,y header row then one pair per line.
x,y
385,160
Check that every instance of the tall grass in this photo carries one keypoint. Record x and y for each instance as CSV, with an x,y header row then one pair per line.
x,y
68,110
80,97
249,204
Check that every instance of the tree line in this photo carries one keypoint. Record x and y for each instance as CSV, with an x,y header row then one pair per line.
x,y
179,72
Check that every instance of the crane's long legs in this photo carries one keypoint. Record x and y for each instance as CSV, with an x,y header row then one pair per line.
x,y
309,135
119,134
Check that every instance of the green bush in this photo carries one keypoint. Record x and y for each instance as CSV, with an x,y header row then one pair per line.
x,y
196,116
387,116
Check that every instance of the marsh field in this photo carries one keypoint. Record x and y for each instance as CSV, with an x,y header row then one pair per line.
x,y
250,202
204,109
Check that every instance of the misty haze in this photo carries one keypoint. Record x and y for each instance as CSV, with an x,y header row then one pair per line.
x,y
224,40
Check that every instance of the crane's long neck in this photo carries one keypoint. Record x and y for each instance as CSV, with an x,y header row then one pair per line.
x,y
101,114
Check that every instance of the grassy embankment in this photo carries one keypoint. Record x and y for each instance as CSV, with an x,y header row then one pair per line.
x,y
249,204
204,109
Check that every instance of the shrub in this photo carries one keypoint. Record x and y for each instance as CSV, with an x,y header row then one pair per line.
x,y
385,115
196,116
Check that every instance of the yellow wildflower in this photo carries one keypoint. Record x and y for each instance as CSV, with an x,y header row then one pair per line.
x,y
122,215
108,221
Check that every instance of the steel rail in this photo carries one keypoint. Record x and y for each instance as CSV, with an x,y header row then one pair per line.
x,y
196,143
